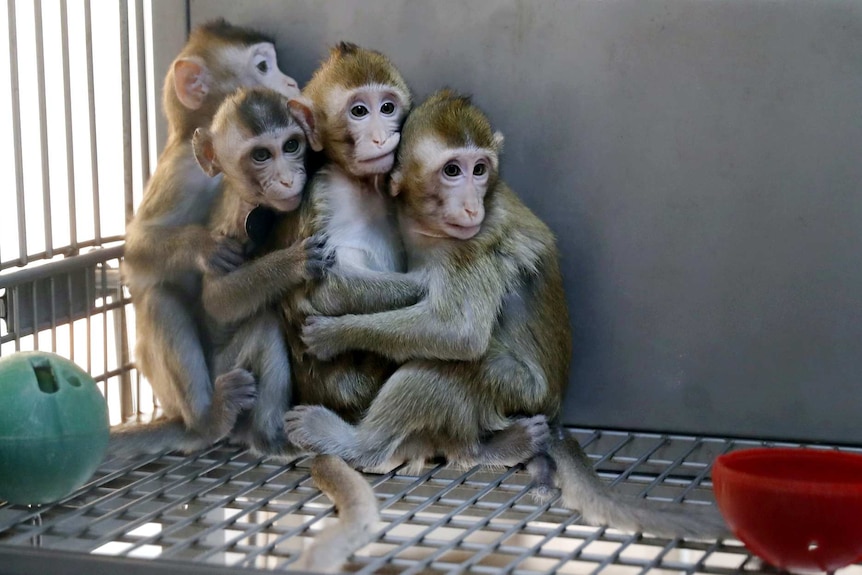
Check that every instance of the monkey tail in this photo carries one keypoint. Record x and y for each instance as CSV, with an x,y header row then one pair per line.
x,y
583,490
130,440
357,510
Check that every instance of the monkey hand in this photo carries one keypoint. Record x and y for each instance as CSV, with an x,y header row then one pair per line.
x,y
318,257
224,256
320,336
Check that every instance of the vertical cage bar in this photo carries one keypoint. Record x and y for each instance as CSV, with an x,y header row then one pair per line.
x,y
71,322
53,288
125,70
142,99
35,313
104,297
43,129
88,292
16,314
16,136
70,152
94,156
118,314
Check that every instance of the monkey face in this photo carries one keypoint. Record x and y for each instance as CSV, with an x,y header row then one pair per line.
x,y
273,167
463,183
447,196
259,145
371,120
256,66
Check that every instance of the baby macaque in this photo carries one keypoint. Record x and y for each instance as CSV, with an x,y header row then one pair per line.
x,y
358,100
168,244
485,353
257,141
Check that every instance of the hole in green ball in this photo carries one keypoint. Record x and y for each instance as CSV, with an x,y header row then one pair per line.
x,y
45,377
73,380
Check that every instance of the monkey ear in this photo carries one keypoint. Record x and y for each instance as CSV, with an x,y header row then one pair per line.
x,y
395,183
191,82
302,111
498,140
202,144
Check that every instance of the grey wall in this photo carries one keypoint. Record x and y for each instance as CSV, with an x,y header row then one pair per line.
x,y
700,163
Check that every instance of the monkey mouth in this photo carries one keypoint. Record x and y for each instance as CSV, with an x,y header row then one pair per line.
x,y
462,232
285,204
385,156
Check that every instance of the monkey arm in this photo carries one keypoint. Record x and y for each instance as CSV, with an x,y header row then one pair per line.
x,y
242,293
166,251
356,290
450,324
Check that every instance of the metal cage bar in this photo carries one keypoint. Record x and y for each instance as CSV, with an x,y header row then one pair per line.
x,y
67,110
43,130
71,164
16,132
91,101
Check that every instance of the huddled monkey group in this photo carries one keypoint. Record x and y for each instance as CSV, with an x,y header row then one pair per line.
x,y
334,272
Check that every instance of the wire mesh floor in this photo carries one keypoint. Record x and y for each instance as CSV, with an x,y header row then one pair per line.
x,y
225,507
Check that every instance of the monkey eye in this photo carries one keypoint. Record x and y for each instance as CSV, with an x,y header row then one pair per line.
x,y
387,108
263,66
452,170
291,146
480,170
358,111
260,154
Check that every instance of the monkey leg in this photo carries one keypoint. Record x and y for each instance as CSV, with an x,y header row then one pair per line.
x,y
433,404
171,356
521,441
259,347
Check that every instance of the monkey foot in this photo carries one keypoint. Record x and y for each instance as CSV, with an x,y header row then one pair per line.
x,y
519,442
315,428
235,391
542,469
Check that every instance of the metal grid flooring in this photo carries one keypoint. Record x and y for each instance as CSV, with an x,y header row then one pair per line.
x,y
225,507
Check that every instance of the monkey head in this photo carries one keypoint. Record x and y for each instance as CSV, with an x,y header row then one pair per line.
x,y
258,140
359,100
218,59
447,165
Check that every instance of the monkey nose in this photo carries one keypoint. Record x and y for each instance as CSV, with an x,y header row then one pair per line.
x,y
471,213
287,184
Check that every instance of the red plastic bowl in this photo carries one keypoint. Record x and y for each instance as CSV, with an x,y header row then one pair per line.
x,y
794,508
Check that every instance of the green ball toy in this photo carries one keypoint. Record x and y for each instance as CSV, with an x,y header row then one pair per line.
x,y
53,427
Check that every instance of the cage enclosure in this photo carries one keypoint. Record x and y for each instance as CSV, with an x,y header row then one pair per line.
x,y
698,162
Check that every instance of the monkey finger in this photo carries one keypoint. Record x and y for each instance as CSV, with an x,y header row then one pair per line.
x,y
316,241
234,260
314,336
230,245
231,249
317,268
219,265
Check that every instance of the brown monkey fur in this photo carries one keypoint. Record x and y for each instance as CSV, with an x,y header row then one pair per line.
x,y
168,244
489,342
346,205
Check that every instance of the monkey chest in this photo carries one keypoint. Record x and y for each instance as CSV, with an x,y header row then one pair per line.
x,y
368,240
